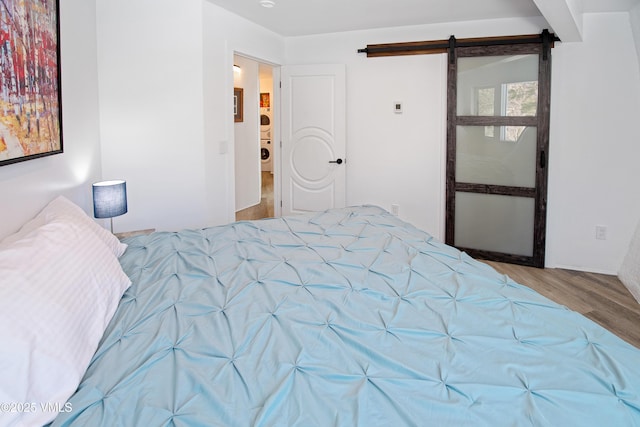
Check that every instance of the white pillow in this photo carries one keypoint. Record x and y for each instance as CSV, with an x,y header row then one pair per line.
x,y
61,206
59,288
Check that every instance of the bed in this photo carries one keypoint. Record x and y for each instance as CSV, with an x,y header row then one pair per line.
x,y
347,317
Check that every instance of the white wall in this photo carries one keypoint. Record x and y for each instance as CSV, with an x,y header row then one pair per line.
x,y
634,16
399,159
166,100
595,146
151,73
26,187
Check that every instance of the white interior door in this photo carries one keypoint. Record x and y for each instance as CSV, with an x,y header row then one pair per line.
x,y
313,138
247,134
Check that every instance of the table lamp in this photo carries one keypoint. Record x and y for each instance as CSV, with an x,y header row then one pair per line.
x,y
109,199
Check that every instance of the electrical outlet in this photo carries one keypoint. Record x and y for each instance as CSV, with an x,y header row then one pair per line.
x,y
601,232
394,209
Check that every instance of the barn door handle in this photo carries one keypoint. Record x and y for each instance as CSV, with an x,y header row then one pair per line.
x,y
543,160
339,161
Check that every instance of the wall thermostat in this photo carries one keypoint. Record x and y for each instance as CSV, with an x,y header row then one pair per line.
x,y
397,107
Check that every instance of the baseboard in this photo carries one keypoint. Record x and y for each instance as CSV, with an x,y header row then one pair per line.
x,y
584,269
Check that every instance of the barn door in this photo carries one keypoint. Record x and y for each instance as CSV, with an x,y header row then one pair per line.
x,y
497,148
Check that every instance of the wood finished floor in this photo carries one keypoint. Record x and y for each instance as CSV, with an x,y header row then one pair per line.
x,y
600,297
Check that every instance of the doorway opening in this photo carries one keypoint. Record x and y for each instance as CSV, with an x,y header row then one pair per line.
x,y
254,140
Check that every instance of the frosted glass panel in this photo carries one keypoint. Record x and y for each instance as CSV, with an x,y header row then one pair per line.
x,y
498,86
498,155
495,223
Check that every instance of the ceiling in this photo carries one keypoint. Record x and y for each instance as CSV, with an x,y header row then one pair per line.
x,y
304,17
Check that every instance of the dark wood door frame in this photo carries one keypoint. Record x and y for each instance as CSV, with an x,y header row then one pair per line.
x,y
540,121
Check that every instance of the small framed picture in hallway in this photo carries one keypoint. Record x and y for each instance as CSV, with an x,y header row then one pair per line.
x,y
265,101
237,104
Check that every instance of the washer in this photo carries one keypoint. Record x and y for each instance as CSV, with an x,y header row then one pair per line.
x,y
266,156
265,123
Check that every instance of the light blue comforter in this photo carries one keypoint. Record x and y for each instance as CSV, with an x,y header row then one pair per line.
x,y
349,317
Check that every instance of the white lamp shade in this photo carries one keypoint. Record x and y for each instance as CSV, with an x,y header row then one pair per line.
x,y
109,199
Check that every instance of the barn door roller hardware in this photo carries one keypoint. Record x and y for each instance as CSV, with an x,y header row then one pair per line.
x,y
445,46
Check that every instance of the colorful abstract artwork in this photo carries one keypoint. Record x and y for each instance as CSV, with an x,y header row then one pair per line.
x,y
265,101
30,102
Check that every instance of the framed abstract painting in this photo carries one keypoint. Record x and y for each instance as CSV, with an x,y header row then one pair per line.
x,y
30,98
